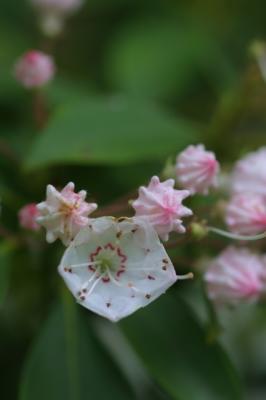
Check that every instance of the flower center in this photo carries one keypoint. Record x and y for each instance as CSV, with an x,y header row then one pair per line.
x,y
110,260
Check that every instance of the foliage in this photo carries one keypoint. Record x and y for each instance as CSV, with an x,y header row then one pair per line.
x,y
136,82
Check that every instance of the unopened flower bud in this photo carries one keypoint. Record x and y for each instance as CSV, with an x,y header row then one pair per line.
x,y
27,217
236,275
34,69
246,214
249,174
161,205
197,169
198,230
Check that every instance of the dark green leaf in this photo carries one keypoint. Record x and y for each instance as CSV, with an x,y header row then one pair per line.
x,y
109,131
68,363
161,57
5,252
174,348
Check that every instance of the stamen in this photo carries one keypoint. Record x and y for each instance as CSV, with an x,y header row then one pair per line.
x,y
112,279
87,264
94,285
190,275
94,275
235,236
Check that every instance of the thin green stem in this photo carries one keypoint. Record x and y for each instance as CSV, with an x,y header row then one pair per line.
x,y
235,236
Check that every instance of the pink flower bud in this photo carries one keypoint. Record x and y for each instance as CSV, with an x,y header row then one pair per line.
x,y
197,169
161,205
246,214
249,174
57,6
64,213
34,69
27,217
236,275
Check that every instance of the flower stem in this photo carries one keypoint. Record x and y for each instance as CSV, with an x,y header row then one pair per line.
x,y
235,236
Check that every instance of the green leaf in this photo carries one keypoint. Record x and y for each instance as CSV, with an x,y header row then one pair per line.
x,y
68,362
174,348
160,57
109,131
5,252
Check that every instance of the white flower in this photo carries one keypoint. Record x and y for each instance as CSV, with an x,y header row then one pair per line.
x,y
64,213
114,267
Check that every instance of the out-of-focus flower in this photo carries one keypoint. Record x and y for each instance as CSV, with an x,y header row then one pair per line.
x,y
64,213
258,50
27,217
197,169
34,69
53,13
161,205
236,275
246,214
249,174
58,6
114,267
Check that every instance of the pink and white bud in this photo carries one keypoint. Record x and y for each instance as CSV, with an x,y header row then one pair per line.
x,y
249,174
197,169
236,275
246,214
34,69
27,217
114,267
64,213
161,205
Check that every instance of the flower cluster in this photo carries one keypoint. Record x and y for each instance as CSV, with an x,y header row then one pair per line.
x,y
237,274
246,211
115,266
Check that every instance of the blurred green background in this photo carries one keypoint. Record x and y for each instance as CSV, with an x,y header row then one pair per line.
x,y
137,81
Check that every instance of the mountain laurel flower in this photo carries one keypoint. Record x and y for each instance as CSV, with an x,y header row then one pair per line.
x,y
27,217
236,275
64,213
249,174
246,214
53,13
161,205
197,169
57,6
113,267
34,69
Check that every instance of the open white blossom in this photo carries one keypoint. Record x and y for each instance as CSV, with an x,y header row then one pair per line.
x,y
64,213
114,267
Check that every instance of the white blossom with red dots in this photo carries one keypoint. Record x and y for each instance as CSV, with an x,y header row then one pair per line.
x,y
27,217
236,275
34,69
246,214
161,205
114,267
64,213
197,169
